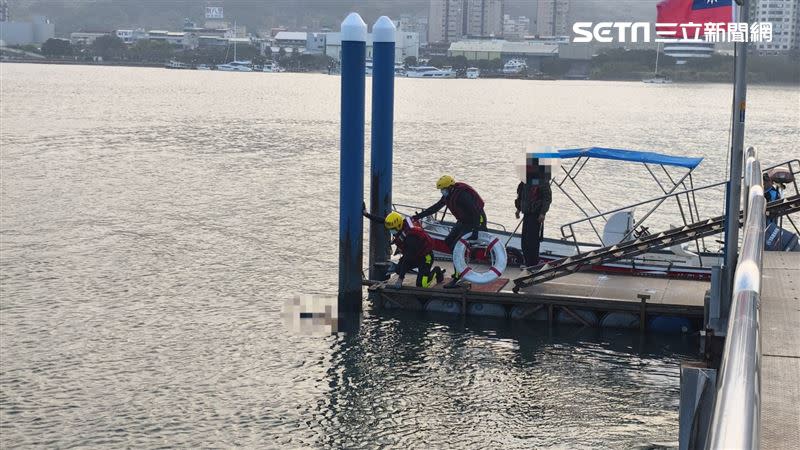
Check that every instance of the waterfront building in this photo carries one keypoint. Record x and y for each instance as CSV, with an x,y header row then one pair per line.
x,y
684,52
552,18
406,44
516,27
131,36
784,15
85,38
450,20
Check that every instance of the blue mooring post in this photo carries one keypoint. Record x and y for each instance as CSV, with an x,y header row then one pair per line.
x,y
380,202
351,176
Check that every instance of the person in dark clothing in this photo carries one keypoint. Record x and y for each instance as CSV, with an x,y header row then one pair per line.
x,y
415,246
467,207
771,193
533,201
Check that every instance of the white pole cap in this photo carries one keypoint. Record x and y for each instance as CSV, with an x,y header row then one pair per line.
x,y
383,30
354,28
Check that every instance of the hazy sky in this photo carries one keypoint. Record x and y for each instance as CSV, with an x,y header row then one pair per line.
x,y
71,15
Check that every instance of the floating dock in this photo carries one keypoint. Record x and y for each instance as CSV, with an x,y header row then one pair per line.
x,y
780,350
584,298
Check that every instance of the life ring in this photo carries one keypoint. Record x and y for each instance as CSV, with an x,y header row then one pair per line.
x,y
493,247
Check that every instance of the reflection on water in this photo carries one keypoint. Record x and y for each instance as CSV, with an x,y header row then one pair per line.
x,y
154,222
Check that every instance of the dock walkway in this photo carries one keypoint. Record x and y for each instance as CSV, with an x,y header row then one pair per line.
x,y
780,350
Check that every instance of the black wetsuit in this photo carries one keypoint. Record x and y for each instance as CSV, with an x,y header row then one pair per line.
x,y
533,200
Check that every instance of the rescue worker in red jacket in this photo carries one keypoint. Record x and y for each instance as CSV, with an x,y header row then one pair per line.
x,y
467,207
415,246
465,204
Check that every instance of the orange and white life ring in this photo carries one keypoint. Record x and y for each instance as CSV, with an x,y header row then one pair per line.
x,y
494,247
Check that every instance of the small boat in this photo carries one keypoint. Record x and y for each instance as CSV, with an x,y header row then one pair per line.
x,y
602,229
473,73
236,66
268,68
172,64
202,67
514,66
429,72
657,79
399,70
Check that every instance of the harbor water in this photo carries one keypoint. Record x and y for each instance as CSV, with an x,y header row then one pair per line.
x,y
153,223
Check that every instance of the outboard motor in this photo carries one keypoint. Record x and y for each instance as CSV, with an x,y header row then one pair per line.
x,y
617,227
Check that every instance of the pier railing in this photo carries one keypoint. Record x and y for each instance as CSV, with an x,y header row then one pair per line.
x,y
736,417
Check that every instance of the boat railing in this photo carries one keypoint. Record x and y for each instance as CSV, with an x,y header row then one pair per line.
x,y
736,418
568,230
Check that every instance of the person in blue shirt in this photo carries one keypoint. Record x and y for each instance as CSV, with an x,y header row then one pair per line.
x,y
771,193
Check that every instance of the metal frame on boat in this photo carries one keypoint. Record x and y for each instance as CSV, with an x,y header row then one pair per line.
x,y
676,262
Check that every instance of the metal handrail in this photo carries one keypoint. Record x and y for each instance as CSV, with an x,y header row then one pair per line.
x,y
736,419
571,225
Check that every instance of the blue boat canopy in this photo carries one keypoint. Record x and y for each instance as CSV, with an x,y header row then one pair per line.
x,y
623,155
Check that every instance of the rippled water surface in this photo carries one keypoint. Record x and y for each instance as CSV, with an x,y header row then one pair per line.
x,y
153,222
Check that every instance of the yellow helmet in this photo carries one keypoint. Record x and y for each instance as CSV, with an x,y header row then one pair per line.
x,y
394,221
445,181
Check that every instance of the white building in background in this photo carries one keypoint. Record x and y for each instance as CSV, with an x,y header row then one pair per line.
x,y
412,24
552,18
406,44
684,52
86,38
315,43
35,31
131,36
785,18
516,27
175,38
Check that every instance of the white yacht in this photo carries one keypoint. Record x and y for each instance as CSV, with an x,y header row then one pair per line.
x,y
236,66
172,64
514,66
268,67
473,72
429,72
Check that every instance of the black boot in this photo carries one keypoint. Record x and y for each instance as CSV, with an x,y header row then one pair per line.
x,y
452,283
438,274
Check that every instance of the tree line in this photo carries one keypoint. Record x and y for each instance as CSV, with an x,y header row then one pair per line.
x,y
112,48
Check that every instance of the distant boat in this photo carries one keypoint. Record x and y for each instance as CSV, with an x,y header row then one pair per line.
x,y
473,72
514,66
202,67
429,72
657,79
236,66
172,64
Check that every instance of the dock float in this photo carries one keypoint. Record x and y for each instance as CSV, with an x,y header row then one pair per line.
x,y
583,298
780,350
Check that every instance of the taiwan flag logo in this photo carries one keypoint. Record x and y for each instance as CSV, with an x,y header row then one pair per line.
x,y
676,15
